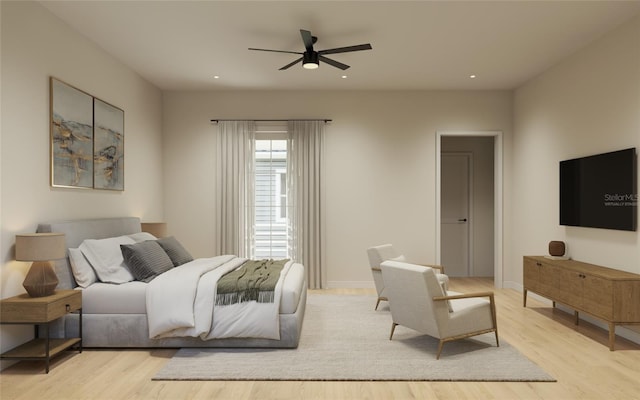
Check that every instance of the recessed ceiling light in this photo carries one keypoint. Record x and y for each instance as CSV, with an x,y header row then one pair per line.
x,y
216,77
472,76
344,77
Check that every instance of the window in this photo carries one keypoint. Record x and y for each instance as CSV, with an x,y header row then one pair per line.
x,y
265,207
271,226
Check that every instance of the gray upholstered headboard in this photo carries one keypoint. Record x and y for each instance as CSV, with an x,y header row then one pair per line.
x,y
79,230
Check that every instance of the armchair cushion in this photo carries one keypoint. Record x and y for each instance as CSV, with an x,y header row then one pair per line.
x,y
468,314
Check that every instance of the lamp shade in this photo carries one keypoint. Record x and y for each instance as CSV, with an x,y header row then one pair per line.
x,y
41,280
40,246
157,229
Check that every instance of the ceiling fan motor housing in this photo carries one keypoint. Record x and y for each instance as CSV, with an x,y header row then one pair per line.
x,y
310,59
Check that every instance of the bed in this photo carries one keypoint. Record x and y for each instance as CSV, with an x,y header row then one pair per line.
x,y
116,315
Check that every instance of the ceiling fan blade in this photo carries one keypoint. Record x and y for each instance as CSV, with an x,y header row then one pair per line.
x,y
307,39
346,49
291,64
276,51
333,62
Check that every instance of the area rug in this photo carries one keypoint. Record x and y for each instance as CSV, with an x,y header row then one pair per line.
x,y
344,339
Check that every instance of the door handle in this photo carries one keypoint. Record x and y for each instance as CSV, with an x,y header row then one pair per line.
x,y
462,220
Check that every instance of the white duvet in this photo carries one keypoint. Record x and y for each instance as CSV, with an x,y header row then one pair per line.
x,y
180,302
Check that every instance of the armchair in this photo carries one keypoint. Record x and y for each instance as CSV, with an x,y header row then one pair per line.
x,y
378,254
417,301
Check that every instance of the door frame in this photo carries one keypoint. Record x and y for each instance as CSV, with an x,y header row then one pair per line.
x,y
469,156
498,240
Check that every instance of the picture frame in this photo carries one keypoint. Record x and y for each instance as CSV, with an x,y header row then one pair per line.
x,y
86,140
108,146
71,136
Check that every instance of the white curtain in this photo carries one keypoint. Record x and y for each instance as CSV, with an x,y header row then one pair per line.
x,y
305,194
235,144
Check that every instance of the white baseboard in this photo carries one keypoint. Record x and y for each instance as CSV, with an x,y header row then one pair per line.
x,y
518,287
350,285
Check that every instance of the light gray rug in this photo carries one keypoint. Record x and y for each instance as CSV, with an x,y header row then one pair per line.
x,y
343,338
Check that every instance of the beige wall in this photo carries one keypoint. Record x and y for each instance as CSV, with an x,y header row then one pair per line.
x,y
380,163
586,105
35,46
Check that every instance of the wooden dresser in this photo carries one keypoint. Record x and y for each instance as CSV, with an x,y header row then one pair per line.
x,y
605,293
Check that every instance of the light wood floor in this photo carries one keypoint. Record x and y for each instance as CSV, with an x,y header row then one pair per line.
x,y
578,357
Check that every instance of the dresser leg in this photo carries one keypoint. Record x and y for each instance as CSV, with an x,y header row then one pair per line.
x,y
612,336
524,298
576,318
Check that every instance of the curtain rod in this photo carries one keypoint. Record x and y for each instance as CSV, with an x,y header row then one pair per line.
x,y
215,121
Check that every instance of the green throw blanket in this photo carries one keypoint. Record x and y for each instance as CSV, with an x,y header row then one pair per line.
x,y
255,280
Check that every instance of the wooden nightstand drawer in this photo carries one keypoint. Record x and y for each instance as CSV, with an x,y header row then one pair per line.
x,y
25,309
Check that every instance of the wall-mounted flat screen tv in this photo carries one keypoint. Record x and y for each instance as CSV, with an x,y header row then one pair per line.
x,y
600,191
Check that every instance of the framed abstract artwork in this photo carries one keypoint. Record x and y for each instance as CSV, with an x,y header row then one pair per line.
x,y
71,136
108,146
87,140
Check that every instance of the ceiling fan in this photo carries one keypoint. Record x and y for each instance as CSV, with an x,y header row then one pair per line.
x,y
311,58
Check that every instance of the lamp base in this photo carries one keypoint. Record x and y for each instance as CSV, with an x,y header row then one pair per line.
x,y
41,280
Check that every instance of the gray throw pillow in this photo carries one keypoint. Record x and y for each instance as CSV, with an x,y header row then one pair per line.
x,y
178,254
146,260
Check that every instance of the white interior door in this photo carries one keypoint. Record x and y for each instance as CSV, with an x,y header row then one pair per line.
x,y
455,210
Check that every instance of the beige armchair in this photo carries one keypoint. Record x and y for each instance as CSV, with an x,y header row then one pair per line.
x,y
378,254
417,301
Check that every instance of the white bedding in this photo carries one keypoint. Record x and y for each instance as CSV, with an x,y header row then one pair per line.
x,y
107,298
130,297
180,302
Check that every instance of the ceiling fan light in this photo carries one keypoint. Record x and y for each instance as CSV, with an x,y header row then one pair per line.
x,y
310,60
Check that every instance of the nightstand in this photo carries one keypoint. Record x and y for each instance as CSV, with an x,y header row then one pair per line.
x,y
41,311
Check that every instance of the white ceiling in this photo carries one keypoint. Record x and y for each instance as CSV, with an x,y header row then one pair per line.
x,y
436,45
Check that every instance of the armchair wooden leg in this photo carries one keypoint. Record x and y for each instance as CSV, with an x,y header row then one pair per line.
x,y
380,298
393,328
439,349
494,317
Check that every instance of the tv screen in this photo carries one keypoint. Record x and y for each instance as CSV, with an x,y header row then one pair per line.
x,y
600,191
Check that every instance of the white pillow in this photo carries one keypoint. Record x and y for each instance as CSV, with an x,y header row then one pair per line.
x,y
106,258
82,271
142,237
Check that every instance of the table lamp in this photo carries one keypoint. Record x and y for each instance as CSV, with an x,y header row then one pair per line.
x,y
41,248
157,229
